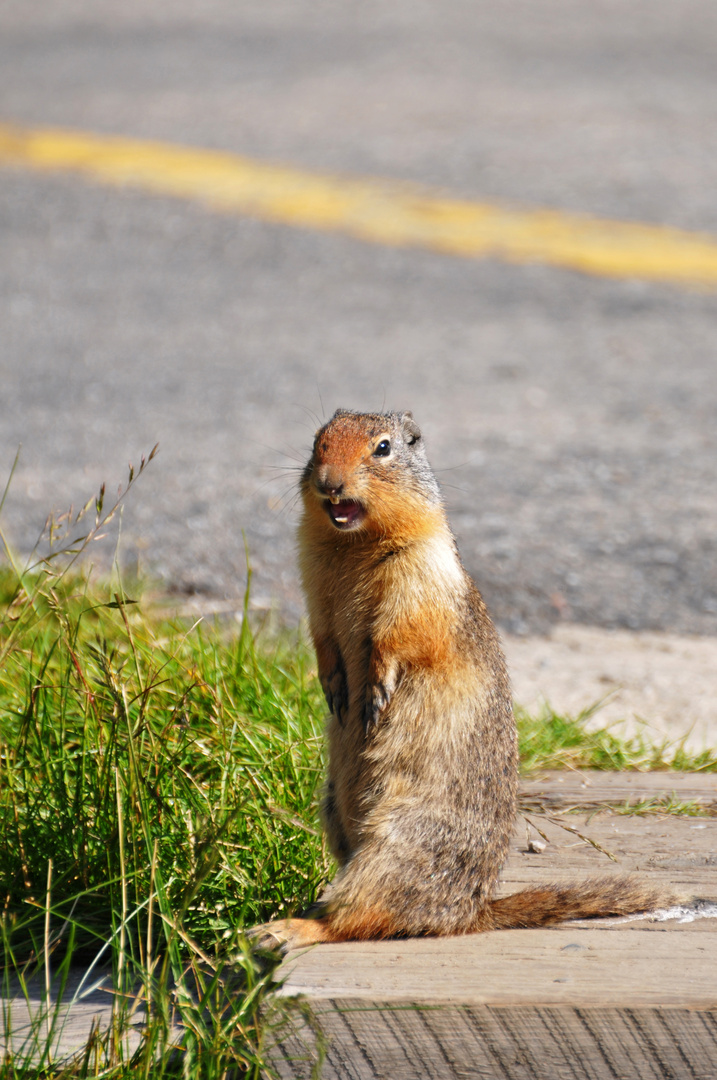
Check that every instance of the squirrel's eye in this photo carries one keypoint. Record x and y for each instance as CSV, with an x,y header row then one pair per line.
x,y
383,449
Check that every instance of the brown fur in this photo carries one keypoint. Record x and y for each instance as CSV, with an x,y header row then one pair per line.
x,y
423,767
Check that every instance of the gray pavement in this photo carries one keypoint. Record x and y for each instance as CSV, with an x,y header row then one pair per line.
x,y
572,420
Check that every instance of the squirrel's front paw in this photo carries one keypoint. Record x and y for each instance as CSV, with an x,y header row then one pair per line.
x,y
384,675
378,698
336,693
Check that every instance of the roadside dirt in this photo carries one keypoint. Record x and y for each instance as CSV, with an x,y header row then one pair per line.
x,y
662,684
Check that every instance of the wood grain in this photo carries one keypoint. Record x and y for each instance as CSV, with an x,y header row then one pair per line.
x,y
590,788
571,965
503,1043
601,1000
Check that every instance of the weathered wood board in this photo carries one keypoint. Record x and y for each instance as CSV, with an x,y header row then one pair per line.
x,y
597,999
34,1030
573,965
380,1040
592,962
590,788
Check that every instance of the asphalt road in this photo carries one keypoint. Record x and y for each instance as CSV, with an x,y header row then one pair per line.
x,y
572,420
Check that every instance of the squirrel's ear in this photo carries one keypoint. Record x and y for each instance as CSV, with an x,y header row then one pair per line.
x,y
411,428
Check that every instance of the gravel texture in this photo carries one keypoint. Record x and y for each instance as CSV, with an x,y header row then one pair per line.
x,y
571,420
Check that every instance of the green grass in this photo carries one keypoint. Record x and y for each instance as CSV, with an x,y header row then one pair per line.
x,y
158,793
198,755
666,805
157,786
549,740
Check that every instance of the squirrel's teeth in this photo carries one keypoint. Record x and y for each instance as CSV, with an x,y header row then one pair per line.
x,y
334,499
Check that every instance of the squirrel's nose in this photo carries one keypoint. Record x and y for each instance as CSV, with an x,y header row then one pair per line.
x,y
328,483
331,491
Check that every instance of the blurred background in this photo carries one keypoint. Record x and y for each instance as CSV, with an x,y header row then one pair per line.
x,y
572,419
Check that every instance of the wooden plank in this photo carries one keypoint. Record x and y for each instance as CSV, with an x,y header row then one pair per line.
x,y
381,1040
675,851
588,788
593,1000
570,965
638,962
31,1029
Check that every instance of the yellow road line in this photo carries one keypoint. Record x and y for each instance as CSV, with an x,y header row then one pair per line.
x,y
382,212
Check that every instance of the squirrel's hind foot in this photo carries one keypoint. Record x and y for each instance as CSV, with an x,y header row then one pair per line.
x,y
284,934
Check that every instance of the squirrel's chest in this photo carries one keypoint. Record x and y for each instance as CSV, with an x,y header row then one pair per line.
x,y
351,597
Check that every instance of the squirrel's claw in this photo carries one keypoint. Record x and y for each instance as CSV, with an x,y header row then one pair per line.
x,y
336,695
384,678
282,935
271,937
378,698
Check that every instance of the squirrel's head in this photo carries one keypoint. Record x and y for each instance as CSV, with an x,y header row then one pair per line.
x,y
368,472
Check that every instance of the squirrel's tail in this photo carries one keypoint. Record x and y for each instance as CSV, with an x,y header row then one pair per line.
x,y
546,904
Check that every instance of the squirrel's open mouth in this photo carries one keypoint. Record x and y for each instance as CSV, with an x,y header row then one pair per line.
x,y
345,513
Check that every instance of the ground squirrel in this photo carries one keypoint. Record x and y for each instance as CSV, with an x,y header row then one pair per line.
x,y
420,799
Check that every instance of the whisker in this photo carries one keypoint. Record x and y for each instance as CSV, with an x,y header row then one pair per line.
x,y
285,503
317,421
292,486
286,451
321,400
